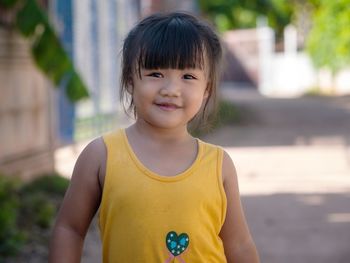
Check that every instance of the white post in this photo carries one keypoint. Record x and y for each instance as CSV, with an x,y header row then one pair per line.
x,y
83,52
266,39
291,86
290,40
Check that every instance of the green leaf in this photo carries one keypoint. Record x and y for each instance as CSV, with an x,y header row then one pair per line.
x,y
47,50
8,3
29,17
51,57
329,39
75,88
230,14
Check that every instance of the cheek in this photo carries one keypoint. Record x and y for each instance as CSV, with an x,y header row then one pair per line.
x,y
203,94
143,96
197,102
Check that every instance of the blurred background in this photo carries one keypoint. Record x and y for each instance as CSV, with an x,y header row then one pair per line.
x,y
283,116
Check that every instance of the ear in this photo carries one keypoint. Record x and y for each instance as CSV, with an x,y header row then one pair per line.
x,y
206,93
130,86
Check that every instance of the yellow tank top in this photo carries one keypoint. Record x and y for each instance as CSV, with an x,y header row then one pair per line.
x,y
149,218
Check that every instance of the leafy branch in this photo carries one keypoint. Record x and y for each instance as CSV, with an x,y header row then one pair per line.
x,y
232,14
329,39
47,51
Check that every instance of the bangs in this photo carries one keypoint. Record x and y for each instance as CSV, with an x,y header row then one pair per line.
x,y
173,40
172,44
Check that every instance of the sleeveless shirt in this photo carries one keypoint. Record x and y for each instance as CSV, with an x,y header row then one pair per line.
x,y
146,217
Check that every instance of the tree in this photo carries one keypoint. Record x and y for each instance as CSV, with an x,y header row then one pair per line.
x,y
231,14
31,21
329,39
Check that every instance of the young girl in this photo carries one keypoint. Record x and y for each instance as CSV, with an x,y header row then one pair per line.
x,y
164,196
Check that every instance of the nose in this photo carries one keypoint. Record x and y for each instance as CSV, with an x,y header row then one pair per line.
x,y
171,88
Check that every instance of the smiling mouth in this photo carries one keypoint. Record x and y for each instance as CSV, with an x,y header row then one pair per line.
x,y
167,106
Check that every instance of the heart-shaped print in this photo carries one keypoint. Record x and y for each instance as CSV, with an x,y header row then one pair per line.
x,y
177,244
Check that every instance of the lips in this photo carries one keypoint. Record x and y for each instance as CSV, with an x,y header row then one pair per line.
x,y
168,106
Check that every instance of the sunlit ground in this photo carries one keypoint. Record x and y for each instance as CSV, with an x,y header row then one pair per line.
x,y
296,200
269,170
293,167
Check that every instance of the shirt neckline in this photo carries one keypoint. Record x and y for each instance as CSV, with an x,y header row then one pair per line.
x,y
157,176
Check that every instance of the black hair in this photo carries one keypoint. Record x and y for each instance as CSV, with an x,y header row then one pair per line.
x,y
170,40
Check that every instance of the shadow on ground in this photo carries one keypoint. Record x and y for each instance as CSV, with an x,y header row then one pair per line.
x,y
305,228
308,219
279,121
287,228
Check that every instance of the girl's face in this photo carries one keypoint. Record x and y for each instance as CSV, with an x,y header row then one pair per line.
x,y
169,98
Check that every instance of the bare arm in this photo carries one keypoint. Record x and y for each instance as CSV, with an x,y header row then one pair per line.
x,y
238,243
79,206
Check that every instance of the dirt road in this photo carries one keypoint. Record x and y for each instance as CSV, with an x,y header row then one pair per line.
x,y
293,162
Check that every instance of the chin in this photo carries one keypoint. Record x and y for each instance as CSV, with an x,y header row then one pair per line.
x,y
166,124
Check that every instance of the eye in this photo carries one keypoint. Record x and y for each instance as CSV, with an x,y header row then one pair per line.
x,y
155,75
189,76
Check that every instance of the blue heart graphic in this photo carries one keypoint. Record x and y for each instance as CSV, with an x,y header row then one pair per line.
x,y
176,244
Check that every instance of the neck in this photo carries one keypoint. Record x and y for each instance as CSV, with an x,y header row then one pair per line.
x,y
159,134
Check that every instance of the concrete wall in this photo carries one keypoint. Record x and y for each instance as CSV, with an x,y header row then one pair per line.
x,y
25,111
241,56
251,58
291,72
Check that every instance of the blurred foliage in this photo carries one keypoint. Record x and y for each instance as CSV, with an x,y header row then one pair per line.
x,y
235,14
329,39
226,114
50,184
11,238
27,211
318,92
8,3
48,53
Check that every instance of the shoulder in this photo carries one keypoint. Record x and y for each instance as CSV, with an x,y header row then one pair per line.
x,y
92,159
228,169
229,173
210,148
95,151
